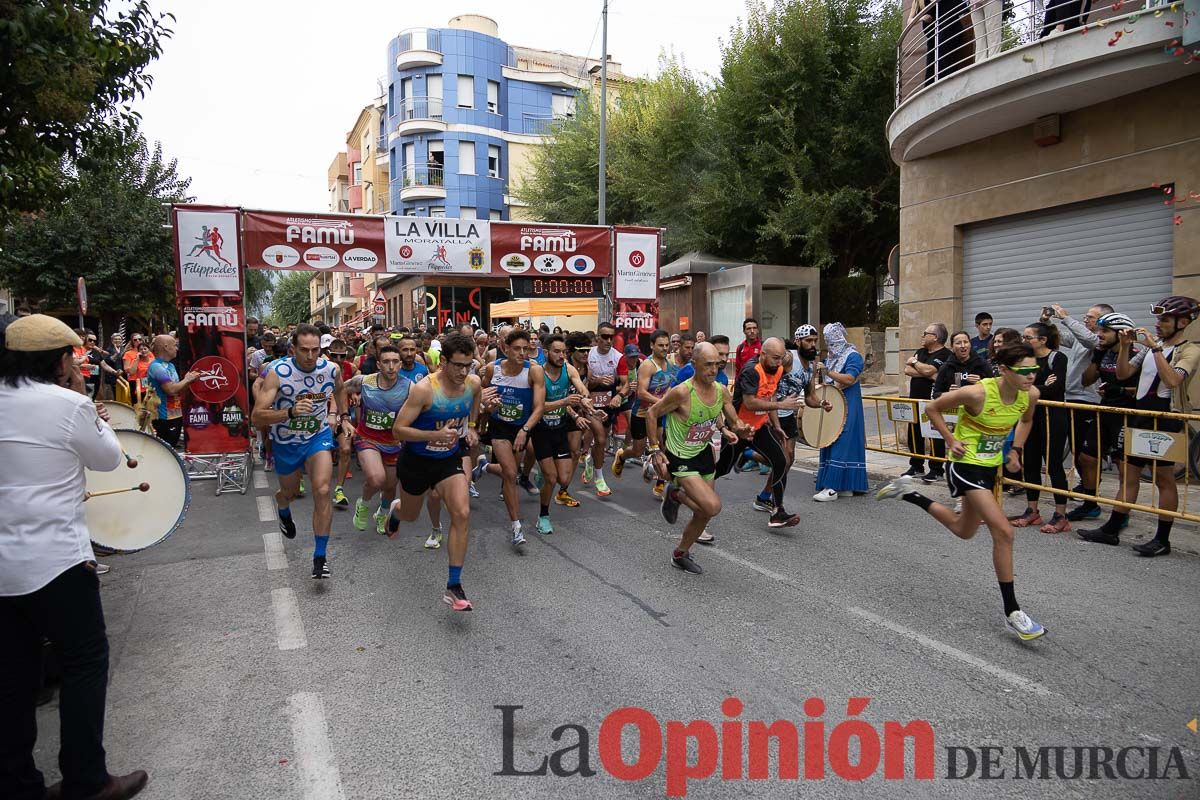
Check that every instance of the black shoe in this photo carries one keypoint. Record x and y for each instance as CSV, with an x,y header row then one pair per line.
x,y
1079,488
1154,547
685,563
915,471
526,484
1085,511
782,519
320,568
933,476
670,505
1099,536
287,526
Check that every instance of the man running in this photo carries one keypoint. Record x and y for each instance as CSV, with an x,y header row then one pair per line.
x,y
410,367
437,418
693,412
987,411
294,401
608,392
382,396
654,378
521,388
551,443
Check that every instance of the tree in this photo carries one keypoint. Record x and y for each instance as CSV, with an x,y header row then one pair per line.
x,y
109,228
258,291
289,300
68,73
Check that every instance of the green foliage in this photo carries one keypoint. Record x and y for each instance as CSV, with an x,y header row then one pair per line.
x,y
68,73
889,314
258,291
289,300
109,229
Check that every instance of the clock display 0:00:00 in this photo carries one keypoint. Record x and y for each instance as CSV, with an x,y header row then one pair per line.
x,y
563,287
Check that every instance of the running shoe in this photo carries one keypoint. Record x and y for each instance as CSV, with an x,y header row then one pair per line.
x,y
588,470
746,465
524,482
933,476
287,526
435,539
602,489
339,498
1057,524
706,538
1026,519
825,496
1152,548
361,512
480,466
564,499
670,506
897,488
764,503
648,471
1099,536
300,491
1084,511
518,538
686,563
544,527
380,520
457,599
320,568
392,524
782,519
269,465
103,569
1019,623
764,469
659,488
618,465
472,491
537,477
915,472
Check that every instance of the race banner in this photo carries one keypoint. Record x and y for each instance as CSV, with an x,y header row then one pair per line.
x,y
635,268
423,245
635,321
521,248
286,241
206,249
212,342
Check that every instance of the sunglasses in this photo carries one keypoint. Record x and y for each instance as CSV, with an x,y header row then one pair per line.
x,y
1023,370
605,335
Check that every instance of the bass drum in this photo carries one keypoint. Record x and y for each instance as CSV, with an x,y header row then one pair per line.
x,y
121,416
124,519
822,428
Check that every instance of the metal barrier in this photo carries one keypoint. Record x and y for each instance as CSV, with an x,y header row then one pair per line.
x,y
1185,460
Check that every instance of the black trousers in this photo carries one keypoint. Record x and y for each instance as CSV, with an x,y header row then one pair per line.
x,y
1043,439
916,446
169,430
764,442
67,611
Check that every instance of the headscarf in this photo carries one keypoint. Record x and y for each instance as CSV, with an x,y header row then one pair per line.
x,y
837,346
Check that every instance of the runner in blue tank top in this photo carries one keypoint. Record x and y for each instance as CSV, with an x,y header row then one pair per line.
x,y
551,440
441,409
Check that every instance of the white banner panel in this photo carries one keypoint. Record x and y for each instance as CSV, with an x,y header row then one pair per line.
x,y
436,244
208,251
636,266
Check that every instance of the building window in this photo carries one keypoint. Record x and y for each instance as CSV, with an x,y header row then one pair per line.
x,y
494,215
391,99
493,97
562,105
493,161
466,91
437,211
466,158
357,172
466,212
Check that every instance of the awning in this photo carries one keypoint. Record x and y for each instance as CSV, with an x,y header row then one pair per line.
x,y
545,308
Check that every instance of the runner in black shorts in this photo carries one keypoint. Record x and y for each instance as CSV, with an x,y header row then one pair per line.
x,y
560,416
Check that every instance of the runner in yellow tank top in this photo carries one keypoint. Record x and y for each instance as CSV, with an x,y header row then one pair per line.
x,y
987,412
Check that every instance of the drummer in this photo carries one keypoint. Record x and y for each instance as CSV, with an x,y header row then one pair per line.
x,y
48,583
843,465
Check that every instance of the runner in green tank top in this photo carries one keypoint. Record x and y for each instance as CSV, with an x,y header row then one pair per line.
x,y
987,411
694,410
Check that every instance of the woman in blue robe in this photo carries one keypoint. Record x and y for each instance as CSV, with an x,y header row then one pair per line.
x,y
843,465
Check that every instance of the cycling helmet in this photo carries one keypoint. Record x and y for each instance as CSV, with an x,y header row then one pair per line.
x,y
803,331
1176,306
1115,321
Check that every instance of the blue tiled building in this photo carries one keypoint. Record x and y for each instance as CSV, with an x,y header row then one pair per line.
x,y
463,110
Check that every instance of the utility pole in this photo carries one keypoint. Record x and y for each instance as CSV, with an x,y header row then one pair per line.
x,y
603,110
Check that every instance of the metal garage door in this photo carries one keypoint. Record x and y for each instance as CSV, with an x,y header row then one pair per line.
x,y
1116,251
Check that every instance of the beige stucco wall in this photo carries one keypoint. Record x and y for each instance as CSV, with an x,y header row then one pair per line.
x,y
1119,146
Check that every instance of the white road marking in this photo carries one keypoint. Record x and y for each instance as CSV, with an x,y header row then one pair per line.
x,y
273,547
750,565
1000,673
619,507
319,776
289,628
260,480
267,511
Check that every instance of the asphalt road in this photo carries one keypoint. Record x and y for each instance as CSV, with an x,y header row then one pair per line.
x,y
236,676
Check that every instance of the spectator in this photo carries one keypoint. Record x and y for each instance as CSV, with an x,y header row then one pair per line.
x,y
1048,437
982,344
1079,341
137,365
164,379
964,367
750,347
253,337
921,369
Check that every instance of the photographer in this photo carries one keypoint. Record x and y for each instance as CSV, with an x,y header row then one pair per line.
x,y
922,368
1079,341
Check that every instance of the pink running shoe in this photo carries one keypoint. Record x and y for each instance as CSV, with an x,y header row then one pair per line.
x,y
457,599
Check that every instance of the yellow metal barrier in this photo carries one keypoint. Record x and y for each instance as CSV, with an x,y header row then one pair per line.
x,y
901,412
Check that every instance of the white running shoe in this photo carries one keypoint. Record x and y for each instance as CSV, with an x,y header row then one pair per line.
x,y
825,496
518,538
1019,623
435,539
897,488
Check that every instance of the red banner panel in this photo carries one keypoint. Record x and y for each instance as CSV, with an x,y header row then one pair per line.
x,y
322,242
520,248
635,321
212,341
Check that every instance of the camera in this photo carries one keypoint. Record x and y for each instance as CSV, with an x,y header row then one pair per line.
x,y
1047,311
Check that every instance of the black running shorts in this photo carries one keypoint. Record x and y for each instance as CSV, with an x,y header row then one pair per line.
x,y
419,474
551,442
637,428
964,478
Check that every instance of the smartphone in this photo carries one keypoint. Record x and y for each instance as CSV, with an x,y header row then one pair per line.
x,y
1047,311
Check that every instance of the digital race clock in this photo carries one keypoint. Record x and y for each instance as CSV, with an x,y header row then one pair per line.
x,y
567,286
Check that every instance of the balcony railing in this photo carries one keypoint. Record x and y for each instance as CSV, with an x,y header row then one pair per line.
x,y
423,176
933,47
421,39
541,124
381,146
420,108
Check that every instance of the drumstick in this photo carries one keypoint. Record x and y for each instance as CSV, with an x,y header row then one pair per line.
x,y
141,487
131,462
824,392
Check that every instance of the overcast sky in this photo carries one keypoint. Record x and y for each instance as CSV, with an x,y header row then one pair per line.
x,y
254,97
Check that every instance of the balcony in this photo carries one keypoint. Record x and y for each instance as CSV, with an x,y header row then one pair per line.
x,y
419,47
420,115
341,294
423,183
381,151
541,124
954,87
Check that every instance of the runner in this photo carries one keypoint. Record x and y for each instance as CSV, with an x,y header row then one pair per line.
x,y
294,401
410,367
437,419
627,368
608,392
654,379
521,387
382,395
551,443
693,411
987,411
578,346
339,353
